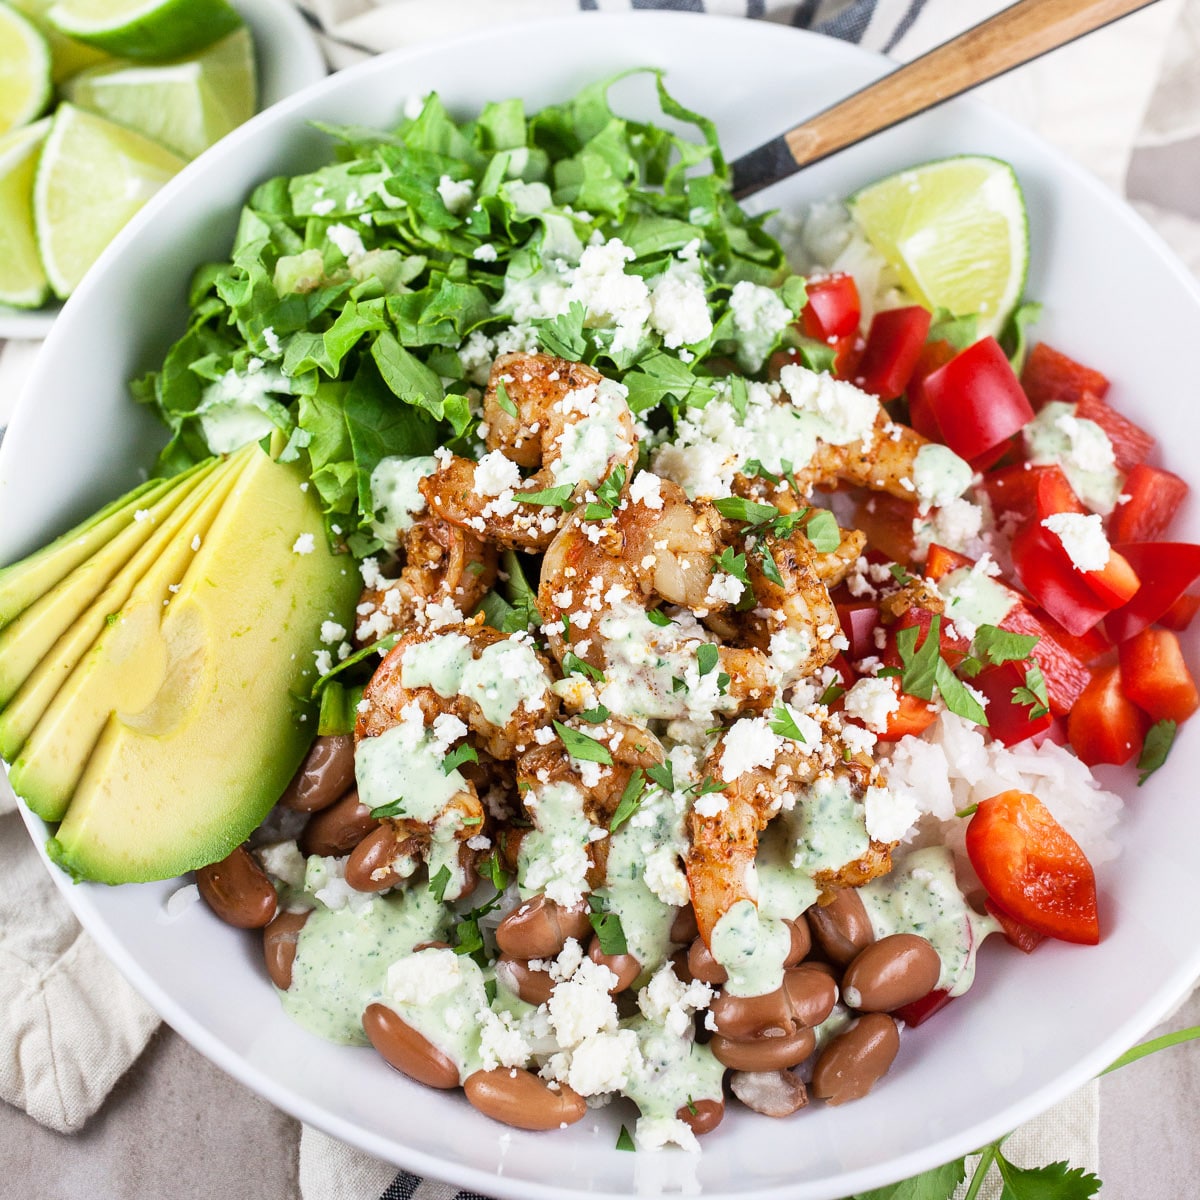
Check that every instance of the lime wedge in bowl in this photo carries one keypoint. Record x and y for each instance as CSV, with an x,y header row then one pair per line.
x,y
186,105
92,177
142,29
66,55
24,70
22,280
957,232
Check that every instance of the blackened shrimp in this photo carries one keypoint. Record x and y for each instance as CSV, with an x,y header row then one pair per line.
x,y
563,420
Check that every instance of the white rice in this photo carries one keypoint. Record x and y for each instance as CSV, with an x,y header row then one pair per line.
x,y
952,766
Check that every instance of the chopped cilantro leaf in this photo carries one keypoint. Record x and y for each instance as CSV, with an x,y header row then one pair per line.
x,y
678,684
663,775
1034,693
769,568
738,509
822,530
656,616
394,809
624,1141
899,574
503,399
1159,739
631,799
438,882
959,699
581,747
489,990
594,716
607,495
572,664
998,646
832,693
707,657
783,722
456,758
607,925
555,497
492,868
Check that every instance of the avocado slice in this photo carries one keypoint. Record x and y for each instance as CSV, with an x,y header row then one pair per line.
x,y
28,638
23,582
119,668
186,778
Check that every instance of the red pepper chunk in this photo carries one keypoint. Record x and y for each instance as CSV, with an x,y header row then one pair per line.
x,y
1167,570
1156,678
1131,443
1050,375
1032,869
894,343
977,400
1052,580
1105,726
1009,720
1015,934
832,307
1154,496
916,1012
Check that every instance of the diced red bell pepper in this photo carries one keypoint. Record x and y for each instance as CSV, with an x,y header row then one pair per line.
x,y
1057,652
1032,868
1167,570
1002,454
1050,375
920,414
913,716
888,523
1154,497
1015,934
1052,580
1105,726
1009,721
917,1011
977,400
940,562
859,619
1156,678
1131,443
894,343
846,673
952,646
1031,493
1115,583
832,308
1181,614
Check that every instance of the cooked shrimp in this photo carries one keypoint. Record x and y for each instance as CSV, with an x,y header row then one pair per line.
x,y
601,577
725,825
447,571
882,463
548,775
566,420
493,683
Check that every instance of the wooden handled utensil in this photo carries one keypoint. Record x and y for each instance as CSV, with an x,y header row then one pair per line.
x,y
1015,36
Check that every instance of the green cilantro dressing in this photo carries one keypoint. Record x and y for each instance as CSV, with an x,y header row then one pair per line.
x,y
395,497
783,891
828,827
236,409
939,475
1056,437
973,599
752,948
403,764
673,1071
343,955
921,896
592,442
554,854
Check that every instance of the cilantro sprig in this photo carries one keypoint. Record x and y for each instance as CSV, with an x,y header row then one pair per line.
x,y
1160,737
926,671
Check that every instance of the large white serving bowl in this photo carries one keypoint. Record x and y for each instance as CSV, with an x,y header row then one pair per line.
x,y
288,59
1033,1028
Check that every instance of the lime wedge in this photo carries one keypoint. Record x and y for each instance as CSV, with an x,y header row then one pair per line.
x,y
186,105
66,56
957,232
93,176
144,29
24,70
22,280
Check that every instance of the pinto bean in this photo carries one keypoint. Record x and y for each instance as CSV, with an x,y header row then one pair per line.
x,y
238,891
519,1098
854,1061
801,941
410,1052
703,1116
325,775
534,987
337,830
684,929
764,1053
772,1093
841,927
811,991
802,1001
703,966
624,966
279,946
539,928
370,867
890,973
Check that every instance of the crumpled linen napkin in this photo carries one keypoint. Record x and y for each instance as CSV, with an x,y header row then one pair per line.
x,y
73,1023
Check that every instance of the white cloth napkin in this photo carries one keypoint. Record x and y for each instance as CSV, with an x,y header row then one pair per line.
x,y
74,1025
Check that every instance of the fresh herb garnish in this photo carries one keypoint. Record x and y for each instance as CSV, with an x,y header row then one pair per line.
x,y
624,1141
394,809
607,926
925,669
736,508
503,399
438,882
1157,745
581,747
783,722
572,664
707,657
492,869
831,694
595,716
656,616
663,774
555,497
1034,693
630,802
822,530
458,756
607,496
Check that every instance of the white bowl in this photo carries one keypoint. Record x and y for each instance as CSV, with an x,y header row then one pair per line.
x,y
288,59
1033,1029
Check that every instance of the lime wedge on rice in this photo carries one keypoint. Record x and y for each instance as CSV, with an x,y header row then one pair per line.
x,y
185,105
24,70
66,56
957,232
22,280
92,177
145,28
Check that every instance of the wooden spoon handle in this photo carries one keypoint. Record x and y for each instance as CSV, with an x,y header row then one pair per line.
x,y
1011,38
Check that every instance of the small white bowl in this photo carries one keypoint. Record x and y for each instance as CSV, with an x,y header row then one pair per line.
x,y
288,59
1033,1028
